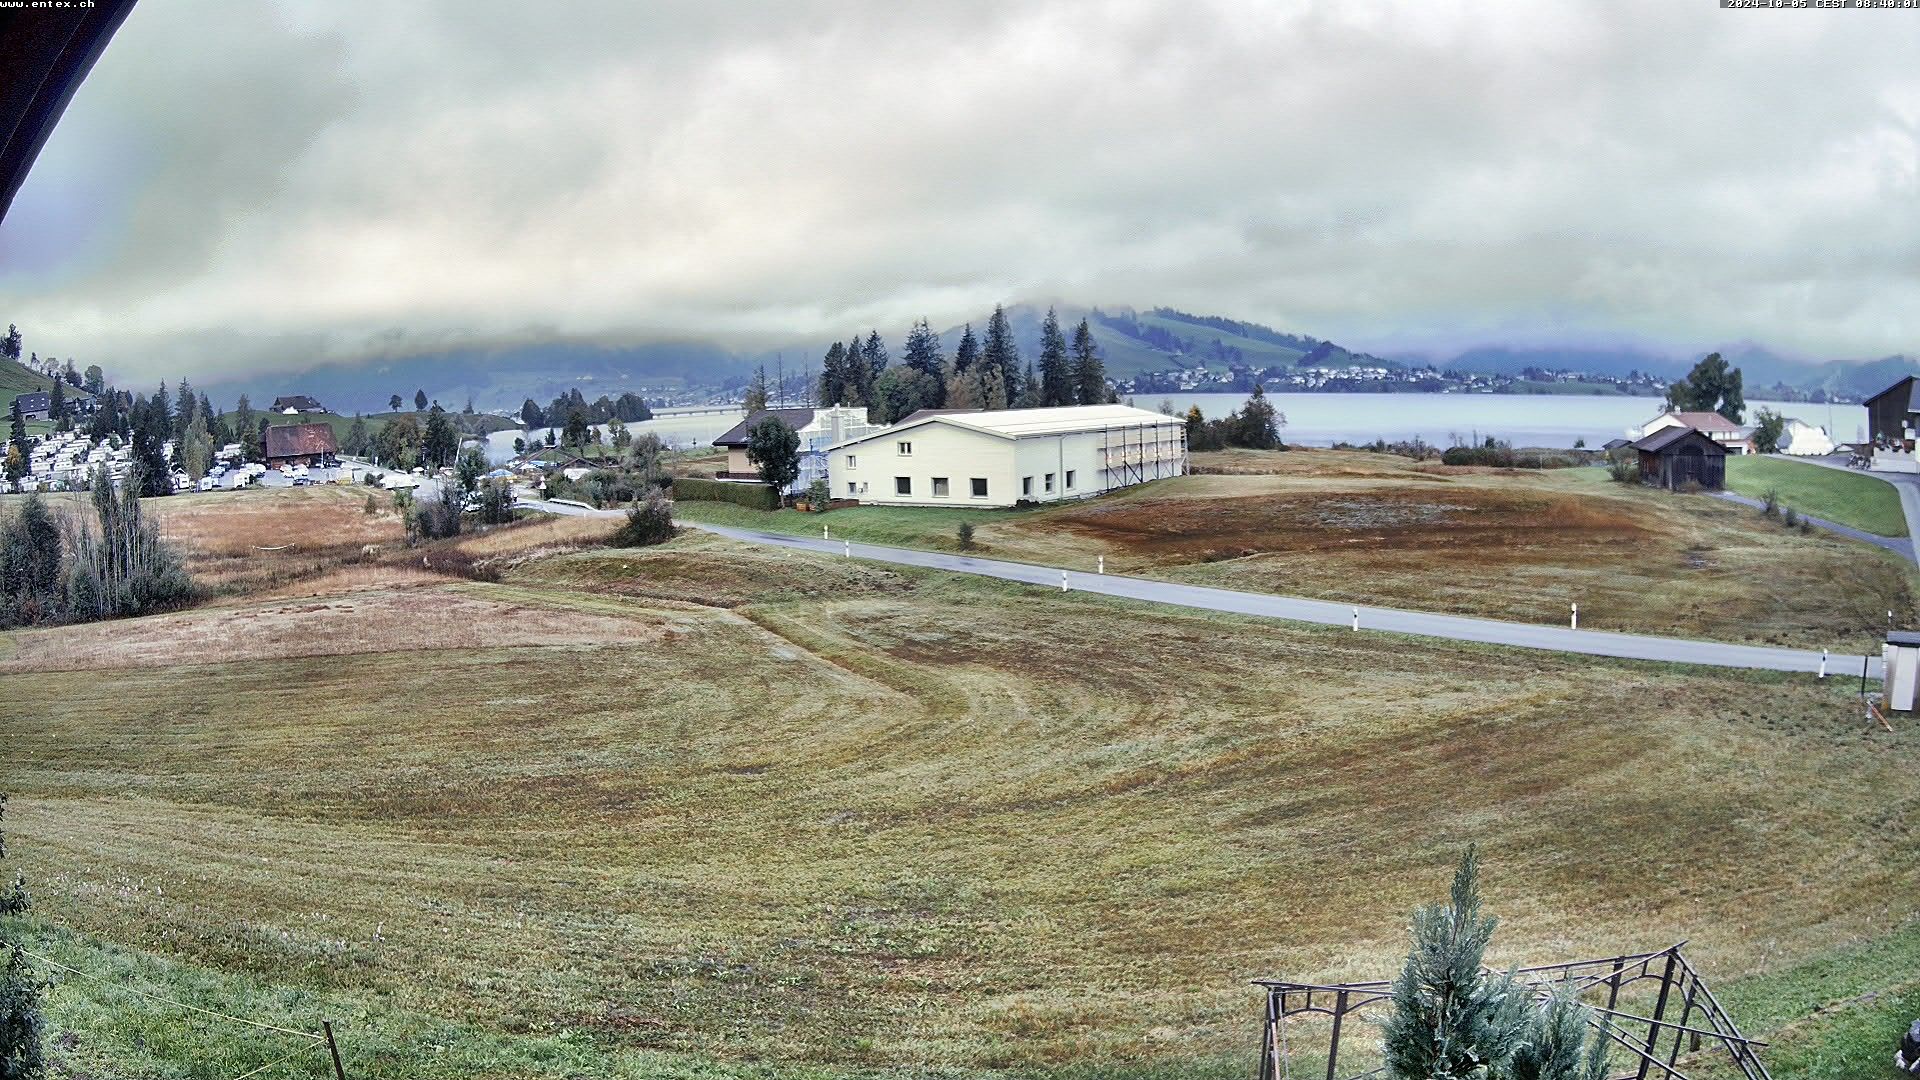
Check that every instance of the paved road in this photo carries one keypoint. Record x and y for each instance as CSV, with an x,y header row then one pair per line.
x,y
1900,547
1907,484
1297,609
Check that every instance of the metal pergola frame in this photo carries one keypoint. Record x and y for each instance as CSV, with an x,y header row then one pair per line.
x,y
1654,1053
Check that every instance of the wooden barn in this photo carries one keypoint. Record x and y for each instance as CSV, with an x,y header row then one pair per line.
x,y
1673,457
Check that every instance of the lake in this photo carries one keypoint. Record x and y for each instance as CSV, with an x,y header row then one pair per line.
x,y
1551,420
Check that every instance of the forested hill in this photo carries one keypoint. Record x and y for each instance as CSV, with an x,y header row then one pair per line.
x,y
1132,341
17,378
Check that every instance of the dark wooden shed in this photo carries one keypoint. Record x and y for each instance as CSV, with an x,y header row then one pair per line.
x,y
1676,456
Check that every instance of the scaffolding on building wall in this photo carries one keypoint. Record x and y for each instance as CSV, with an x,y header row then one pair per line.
x,y
1628,1000
1135,459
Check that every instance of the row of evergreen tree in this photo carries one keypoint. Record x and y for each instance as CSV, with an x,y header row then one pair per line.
x,y
985,372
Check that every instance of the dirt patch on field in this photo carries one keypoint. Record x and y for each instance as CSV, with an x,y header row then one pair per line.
x,y
712,573
250,541
1462,519
343,625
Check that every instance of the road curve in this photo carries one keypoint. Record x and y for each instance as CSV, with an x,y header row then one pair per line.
x,y
1299,609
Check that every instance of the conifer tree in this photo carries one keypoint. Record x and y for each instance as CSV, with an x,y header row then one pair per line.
x,y
756,398
10,344
923,354
1451,1019
874,352
1032,391
967,354
833,376
1089,373
1562,1044
1001,353
1056,374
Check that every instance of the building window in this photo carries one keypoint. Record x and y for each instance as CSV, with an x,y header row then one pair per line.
x,y
1049,481
906,448
939,487
852,462
1026,486
979,487
903,485
852,489
1069,479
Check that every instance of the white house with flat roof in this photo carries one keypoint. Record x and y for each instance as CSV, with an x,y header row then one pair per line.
x,y
1008,456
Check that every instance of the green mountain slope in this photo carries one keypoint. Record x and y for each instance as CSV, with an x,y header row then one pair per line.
x,y
17,378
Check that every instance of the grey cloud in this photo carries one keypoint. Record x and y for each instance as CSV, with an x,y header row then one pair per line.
x,y
302,182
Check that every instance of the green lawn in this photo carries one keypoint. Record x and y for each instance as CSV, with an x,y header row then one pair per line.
x,y
901,526
1856,499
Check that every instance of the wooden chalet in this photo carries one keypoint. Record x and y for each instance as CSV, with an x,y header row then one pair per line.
x,y
1674,457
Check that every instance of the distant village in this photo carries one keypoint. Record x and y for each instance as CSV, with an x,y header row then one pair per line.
x,y
1388,379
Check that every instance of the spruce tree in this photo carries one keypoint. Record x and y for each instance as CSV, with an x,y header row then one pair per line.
x,y
833,376
1032,391
10,344
1562,1045
859,375
1001,353
874,352
923,354
1451,1019
967,354
1056,374
756,398
1089,373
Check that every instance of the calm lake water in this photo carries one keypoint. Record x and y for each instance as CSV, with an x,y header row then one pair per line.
x,y
1553,420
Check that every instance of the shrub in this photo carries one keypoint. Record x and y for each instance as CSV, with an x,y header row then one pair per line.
x,y
434,519
966,535
819,497
1790,518
371,508
649,523
752,496
496,502
123,567
1623,470
1770,503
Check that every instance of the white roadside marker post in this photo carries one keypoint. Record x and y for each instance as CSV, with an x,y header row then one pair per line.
x,y
1356,616
849,546
1823,663
823,533
1103,564
1063,581
1575,624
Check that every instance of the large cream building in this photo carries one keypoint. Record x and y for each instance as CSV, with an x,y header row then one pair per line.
x,y
1008,456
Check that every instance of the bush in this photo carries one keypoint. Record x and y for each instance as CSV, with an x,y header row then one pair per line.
x,y
371,508
752,496
434,519
123,568
649,523
496,502
819,497
1790,518
1623,470
966,535
1770,504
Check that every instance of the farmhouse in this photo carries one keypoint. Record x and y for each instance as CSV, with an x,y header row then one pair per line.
x,y
300,444
819,429
1673,457
35,406
1893,415
1735,438
296,404
1009,456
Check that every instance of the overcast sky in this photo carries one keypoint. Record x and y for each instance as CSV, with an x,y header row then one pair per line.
x,y
248,183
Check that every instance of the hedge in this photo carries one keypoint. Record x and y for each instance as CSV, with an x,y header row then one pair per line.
x,y
752,496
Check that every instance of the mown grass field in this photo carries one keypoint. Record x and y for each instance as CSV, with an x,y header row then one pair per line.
x,y
1367,528
1850,498
716,810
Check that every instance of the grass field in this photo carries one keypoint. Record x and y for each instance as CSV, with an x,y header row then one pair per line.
x,y
1850,498
717,810
1369,528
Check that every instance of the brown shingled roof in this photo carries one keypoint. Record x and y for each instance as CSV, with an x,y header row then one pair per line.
x,y
300,440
